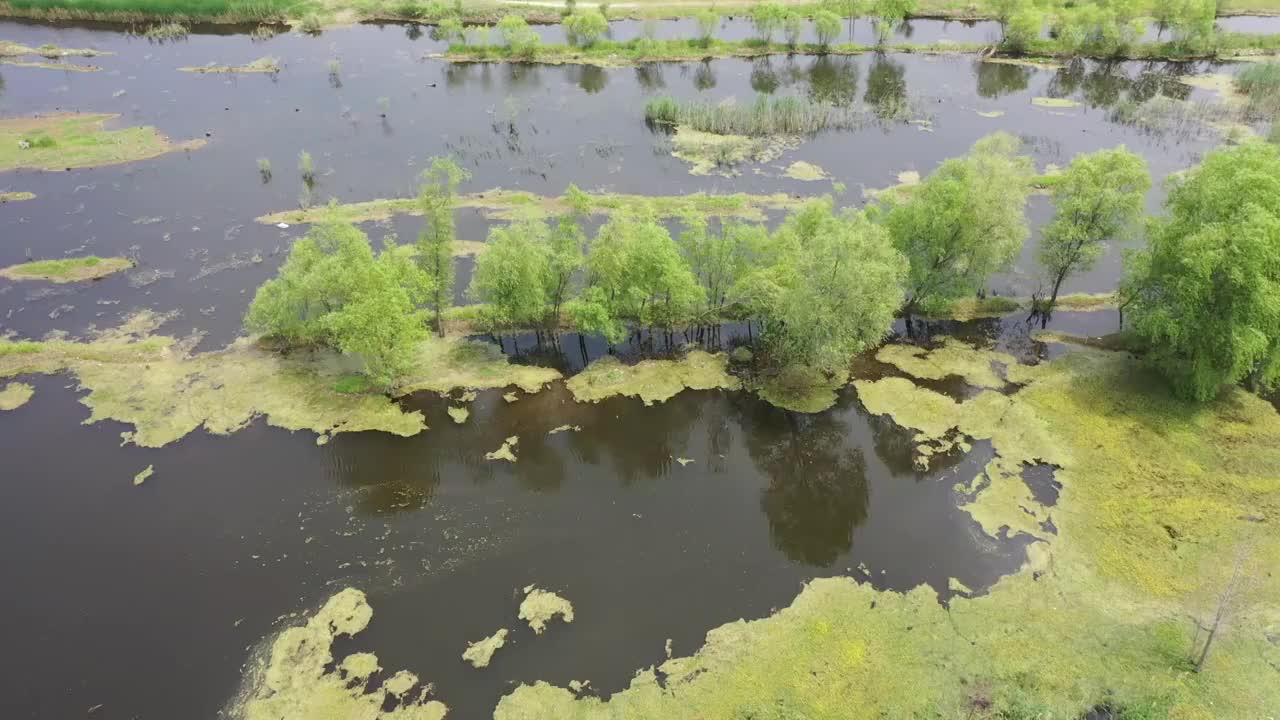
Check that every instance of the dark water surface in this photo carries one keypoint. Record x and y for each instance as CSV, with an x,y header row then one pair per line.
x,y
147,599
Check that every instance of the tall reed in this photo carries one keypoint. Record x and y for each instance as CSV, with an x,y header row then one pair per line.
x,y
766,115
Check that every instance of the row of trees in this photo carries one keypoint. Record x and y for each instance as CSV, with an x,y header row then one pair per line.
x,y
826,284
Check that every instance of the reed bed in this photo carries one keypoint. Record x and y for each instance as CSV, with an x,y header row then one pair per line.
x,y
764,116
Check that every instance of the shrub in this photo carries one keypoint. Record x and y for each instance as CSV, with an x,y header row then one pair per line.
x,y
767,17
708,22
585,27
450,30
827,26
519,37
1023,29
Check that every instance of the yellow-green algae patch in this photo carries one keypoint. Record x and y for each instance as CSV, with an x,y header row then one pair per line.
x,y
542,606
51,65
261,65
15,395
146,473
652,380
709,153
8,197
516,204
459,414
802,391
292,680
480,653
61,141
13,49
1054,102
953,357
156,385
801,170
506,451
67,270
1157,496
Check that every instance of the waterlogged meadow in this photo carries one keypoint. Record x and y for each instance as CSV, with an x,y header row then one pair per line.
x,y
342,376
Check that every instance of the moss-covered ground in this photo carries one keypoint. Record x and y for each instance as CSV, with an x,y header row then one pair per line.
x,y
1157,498
63,141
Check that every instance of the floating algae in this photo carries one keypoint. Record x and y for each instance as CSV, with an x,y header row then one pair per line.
x,y
1097,613
954,357
142,476
63,141
261,65
801,170
15,395
510,397
481,652
564,428
1054,102
652,380
504,452
459,414
293,682
541,607
8,197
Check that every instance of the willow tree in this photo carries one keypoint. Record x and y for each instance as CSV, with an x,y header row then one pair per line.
x,y
435,242
1205,294
837,290
333,291
1097,199
635,274
508,276
889,15
963,223
718,260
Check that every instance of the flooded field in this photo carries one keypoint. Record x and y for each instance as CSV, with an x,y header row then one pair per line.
x,y
658,522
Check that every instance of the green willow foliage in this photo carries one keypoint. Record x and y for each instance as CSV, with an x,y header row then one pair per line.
x,y
1098,198
435,242
584,27
332,291
962,223
1205,294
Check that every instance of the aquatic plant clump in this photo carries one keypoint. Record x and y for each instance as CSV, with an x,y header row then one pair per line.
x,y
765,116
291,679
1156,498
15,395
65,141
541,607
8,197
652,380
480,653
261,65
67,270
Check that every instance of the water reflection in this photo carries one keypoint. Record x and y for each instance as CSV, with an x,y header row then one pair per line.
x,y
834,79
649,77
704,76
764,79
817,492
1103,84
887,88
590,78
999,79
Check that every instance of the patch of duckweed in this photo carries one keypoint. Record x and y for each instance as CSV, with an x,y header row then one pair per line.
x,y
652,380
1086,301
516,204
1157,497
67,270
62,140
541,607
991,306
564,428
907,179
801,170
459,414
292,680
156,385
714,153
954,357
800,389
506,452
13,49
15,395
8,197
480,653
267,64
1049,102
144,475
51,65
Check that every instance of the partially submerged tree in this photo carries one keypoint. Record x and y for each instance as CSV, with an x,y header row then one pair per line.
x,y
767,17
508,277
889,15
1205,294
635,274
1097,199
520,38
708,22
826,25
435,242
1023,28
837,290
962,223
332,291
792,28
585,27
718,260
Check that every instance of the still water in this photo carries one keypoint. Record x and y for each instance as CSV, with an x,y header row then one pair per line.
x,y
146,600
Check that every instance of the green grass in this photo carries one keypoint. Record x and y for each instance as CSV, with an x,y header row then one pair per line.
x,y
64,141
154,9
1260,84
764,116
65,270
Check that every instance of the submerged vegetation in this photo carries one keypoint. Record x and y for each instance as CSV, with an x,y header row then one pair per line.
x,y
261,65
66,141
67,270
766,115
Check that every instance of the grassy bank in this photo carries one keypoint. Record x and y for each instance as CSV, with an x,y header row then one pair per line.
x,y
67,270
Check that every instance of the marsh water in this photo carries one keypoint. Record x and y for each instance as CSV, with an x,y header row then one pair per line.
x,y
657,522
